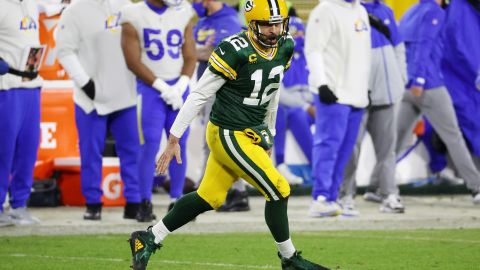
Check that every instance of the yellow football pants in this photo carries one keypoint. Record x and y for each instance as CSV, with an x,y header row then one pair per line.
x,y
233,155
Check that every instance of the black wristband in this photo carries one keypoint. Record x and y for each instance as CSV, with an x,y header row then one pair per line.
x,y
326,95
89,89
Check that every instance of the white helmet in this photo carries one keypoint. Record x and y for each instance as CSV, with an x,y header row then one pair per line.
x,y
172,3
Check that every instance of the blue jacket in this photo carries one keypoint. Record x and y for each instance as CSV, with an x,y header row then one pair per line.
x,y
216,27
297,74
460,64
462,41
385,14
420,29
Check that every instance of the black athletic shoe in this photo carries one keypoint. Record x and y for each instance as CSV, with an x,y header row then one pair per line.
x,y
237,201
143,246
297,262
145,212
170,206
94,212
130,211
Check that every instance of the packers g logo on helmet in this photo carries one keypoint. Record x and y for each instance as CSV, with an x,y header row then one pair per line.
x,y
266,11
248,5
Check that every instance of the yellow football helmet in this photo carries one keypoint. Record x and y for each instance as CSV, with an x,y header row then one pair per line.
x,y
266,12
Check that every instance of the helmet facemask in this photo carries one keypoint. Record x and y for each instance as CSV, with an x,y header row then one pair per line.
x,y
269,40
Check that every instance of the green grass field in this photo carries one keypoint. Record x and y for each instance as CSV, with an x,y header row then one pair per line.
x,y
421,249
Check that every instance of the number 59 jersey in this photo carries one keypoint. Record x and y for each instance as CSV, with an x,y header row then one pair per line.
x,y
253,77
161,35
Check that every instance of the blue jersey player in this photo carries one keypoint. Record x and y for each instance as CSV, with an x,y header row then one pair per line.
x,y
159,48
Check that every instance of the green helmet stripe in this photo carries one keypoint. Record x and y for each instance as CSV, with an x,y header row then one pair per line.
x,y
274,9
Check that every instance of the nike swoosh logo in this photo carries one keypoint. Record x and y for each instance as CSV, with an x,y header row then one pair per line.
x,y
221,51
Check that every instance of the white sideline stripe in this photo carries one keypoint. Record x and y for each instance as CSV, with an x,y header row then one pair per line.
x,y
224,265
407,238
246,165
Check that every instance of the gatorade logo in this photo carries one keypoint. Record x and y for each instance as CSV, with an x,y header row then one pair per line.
x,y
112,186
47,139
248,5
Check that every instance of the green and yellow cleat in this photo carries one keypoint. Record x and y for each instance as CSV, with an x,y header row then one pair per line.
x,y
297,262
143,246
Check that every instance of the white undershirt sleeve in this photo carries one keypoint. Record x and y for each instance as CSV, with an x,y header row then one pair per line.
x,y
206,87
271,115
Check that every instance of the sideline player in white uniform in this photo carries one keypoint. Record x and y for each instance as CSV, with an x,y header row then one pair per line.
x,y
337,49
158,44
19,107
89,49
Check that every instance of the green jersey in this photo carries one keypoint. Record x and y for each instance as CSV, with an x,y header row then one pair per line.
x,y
252,77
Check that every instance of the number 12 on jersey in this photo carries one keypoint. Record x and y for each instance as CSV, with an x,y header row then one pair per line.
x,y
257,77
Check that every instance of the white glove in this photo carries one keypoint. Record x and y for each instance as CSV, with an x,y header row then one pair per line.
x,y
170,97
181,85
179,88
160,85
166,91
177,103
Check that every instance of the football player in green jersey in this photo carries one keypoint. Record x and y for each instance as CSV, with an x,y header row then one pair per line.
x,y
244,72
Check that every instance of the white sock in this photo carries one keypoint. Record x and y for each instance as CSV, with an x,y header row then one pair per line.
x,y
286,248
239,185
160,232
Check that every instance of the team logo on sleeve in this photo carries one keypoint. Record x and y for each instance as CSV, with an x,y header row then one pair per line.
x,y
113,22
27,23
248,5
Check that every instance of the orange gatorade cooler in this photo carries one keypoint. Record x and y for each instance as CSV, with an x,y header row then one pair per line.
x,y
70,185
59,151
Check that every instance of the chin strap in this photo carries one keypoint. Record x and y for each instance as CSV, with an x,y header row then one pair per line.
x,y
253,26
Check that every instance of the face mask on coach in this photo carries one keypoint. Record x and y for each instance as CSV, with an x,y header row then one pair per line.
x,y
199,9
